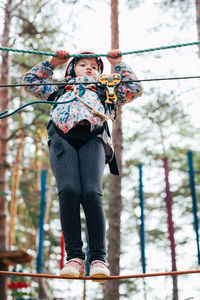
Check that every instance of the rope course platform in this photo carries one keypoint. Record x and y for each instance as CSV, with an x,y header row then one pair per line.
x,y
15,257
51,276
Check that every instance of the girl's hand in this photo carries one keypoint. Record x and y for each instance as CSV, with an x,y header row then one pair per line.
x,y
114,57
60,59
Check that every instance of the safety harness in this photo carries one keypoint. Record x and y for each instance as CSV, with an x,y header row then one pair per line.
x,y
105,88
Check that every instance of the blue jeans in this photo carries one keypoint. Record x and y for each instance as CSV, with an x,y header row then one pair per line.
x,y
79,172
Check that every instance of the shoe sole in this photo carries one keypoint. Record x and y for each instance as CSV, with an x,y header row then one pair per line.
x,y
96,276
69,275
72,274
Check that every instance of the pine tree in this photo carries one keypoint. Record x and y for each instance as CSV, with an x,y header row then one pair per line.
x,y
112,287
4,97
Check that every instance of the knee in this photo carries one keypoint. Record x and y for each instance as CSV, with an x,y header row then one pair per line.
x,y
69,194
92,196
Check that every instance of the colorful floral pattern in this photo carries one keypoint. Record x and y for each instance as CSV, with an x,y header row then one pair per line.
x,y
67,116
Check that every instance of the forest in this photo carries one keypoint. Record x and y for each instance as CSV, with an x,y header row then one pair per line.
x,y
152,207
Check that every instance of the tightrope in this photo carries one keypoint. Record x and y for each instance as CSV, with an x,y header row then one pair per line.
x,y
96,55
51,276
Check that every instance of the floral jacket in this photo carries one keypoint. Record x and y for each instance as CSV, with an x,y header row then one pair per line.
x,y
68,115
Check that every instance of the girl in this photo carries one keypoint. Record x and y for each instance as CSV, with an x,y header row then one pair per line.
x,y
79,147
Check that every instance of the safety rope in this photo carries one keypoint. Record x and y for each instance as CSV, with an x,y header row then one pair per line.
x,y
5,113
93,110
51,276
96,55
97,82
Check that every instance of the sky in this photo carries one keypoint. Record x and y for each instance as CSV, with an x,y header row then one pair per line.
x,y
144,27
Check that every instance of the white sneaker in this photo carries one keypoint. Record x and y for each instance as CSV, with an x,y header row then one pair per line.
x,y
98,269
74,267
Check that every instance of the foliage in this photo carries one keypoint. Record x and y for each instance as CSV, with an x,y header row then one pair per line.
x,y
158,126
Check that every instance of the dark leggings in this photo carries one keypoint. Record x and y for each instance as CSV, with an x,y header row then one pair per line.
x,y
78,174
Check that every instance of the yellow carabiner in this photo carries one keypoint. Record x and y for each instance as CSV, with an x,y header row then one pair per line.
x,y
110,81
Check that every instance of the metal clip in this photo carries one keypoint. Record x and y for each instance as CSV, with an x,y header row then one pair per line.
x,y
110,81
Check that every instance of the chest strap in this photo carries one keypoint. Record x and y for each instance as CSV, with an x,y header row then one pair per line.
x,y
93,110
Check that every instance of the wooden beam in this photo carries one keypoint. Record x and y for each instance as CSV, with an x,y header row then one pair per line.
x,y
16,257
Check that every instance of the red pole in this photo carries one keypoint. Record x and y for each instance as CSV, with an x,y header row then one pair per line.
x,y
62,252
169,213
170,227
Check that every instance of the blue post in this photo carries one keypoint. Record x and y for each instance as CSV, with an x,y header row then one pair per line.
x,y
41,221
87,256
142,232
194,200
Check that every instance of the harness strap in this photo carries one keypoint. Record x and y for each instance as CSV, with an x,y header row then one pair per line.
x,y
93,110
65,88
113,163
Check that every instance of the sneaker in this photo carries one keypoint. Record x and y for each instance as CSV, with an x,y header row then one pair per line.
x,y
74,267
98,269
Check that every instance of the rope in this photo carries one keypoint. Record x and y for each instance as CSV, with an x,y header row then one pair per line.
x,y
96,55
50,276
3,116
96,82
5,113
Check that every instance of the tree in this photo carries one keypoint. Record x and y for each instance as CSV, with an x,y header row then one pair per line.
x,y
112,287
183,6
18,12
4,98
198,20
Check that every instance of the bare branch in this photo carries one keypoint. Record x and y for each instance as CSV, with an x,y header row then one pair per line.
x,y
23,19
23,65
16,6
2,4
29,28
40,8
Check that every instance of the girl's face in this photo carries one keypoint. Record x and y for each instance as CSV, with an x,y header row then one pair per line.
x,y
87,67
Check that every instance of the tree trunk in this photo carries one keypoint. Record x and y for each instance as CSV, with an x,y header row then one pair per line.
x,y
15,183
111,290
114,239
198,21
42,289
4,99
170,223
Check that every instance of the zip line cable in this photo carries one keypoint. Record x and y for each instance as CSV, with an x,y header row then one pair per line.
x,y
96,55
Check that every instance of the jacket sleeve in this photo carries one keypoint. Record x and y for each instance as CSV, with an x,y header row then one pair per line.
x,y
127,92
39,74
